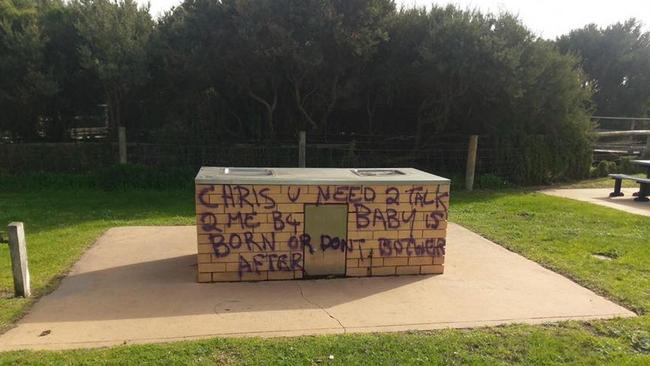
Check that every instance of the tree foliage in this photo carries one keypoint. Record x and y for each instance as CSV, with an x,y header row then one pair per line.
x,y
24,77
617,60
114,46
213,71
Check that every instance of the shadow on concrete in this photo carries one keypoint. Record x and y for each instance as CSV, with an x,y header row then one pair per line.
x,y
168,287
626,202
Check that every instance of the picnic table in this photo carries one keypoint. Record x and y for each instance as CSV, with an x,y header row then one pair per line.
x,y
644,183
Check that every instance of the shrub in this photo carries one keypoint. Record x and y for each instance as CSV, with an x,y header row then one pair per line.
x,y
604,168
118,177
46,180
625,166
127,176
543,159
491,181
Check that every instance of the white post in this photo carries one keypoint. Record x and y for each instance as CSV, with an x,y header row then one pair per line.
x,y
302,145
18,252
471,162
121,140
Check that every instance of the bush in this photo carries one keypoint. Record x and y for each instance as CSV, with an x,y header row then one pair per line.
x,y
46,180
604,168
126,176
542,159
491,181
625,166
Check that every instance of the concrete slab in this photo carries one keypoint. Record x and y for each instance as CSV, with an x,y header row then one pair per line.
x,y
600,196
137,285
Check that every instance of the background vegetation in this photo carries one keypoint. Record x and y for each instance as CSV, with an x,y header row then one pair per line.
x,y
214,73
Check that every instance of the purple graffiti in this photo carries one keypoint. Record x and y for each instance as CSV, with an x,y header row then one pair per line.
x,y
432,220
223,244
335,243
392,196
345,194
272,262
388,219
240,196
209,222
280,221
299,242
433,247
245,220
202,200
293,197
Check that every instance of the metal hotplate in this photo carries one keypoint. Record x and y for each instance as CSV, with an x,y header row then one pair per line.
x,y
315,176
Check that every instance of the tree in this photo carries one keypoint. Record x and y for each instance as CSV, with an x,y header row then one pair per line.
x,y
115,43
240,70
295,59
24,83
332,42
257,45
79,91
617,60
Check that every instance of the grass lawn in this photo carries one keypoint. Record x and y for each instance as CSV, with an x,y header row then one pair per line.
x,y
560,234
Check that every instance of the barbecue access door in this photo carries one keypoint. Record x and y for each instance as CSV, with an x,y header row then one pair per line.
x,y
328,223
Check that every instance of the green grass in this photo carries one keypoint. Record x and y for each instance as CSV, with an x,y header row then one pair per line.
x,y
568,343
561,234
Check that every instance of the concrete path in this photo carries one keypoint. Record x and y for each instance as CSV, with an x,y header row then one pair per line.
x,y
600,196
137,285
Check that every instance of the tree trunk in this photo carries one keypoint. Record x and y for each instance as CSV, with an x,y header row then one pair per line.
x,y
330,105
270,109
371,107
419,130
301,108
114,106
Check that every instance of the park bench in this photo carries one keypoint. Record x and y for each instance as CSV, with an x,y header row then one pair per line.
x,y
644,184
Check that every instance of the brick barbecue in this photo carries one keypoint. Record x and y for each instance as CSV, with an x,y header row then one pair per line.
x,y
257,224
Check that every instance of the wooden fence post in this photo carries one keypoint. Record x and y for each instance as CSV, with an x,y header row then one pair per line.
x,y
471,162
121,140
18,252
302,145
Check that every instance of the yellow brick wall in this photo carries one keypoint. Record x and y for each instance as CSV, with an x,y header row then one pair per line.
x,y
255,232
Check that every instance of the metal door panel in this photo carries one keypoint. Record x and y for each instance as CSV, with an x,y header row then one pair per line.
x,y
332,221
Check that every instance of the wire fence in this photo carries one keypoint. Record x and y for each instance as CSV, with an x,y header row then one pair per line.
x,y
449,156
444,155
